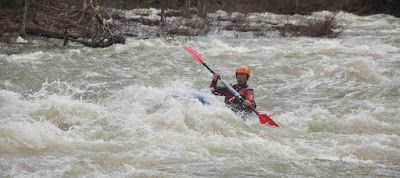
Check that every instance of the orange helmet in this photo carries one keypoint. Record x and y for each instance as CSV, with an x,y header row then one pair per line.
x,y
244,70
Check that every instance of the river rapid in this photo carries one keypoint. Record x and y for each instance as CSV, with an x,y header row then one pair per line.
x,y
130,110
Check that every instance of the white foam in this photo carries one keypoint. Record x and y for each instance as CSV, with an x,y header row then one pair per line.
x,y
132,108
21,40
34,57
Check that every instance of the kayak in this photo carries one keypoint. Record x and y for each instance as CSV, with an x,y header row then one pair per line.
x,y
204,102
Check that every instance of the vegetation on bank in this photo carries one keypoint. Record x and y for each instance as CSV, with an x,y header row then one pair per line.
x,y
80,21
91,23
304,7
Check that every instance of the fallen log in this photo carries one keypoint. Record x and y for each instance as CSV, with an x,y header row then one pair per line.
x,y
48,33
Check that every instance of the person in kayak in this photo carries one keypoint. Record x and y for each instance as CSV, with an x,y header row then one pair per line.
x,y
242,75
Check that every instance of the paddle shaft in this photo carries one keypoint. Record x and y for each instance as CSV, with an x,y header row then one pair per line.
x,y
204,64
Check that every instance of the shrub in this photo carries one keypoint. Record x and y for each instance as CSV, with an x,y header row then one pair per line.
x,y
312,27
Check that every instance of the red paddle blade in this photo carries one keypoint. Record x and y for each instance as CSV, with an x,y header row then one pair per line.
x,y
194,53
264,119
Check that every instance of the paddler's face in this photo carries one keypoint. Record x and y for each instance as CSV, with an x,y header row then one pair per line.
x,y
241,78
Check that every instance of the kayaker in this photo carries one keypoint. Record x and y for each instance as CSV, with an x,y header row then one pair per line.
x,y
242,75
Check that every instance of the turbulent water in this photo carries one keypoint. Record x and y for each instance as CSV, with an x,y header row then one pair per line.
x,y
130,110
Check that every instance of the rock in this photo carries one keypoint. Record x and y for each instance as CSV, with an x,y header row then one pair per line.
x,y
21,40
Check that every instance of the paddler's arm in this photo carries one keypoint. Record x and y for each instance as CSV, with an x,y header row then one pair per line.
x,y
215,80
217,90
250,99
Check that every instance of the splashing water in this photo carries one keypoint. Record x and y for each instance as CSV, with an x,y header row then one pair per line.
x,y
131,110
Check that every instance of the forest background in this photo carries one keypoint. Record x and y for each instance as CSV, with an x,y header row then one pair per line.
x,y
87,21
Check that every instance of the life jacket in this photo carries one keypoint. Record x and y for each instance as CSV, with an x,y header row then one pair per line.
x,y
236,104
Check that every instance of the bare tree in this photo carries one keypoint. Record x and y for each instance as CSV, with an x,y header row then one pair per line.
x,y
202,7
163,3
70,20
186,10
199,7
23,18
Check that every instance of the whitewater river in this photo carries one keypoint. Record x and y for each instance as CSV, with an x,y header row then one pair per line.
x,y
130,110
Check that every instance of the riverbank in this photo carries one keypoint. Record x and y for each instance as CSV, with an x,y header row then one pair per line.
x,y
289,7
177,20
145,24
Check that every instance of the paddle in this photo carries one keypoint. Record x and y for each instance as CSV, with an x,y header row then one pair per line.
x,y
264,119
